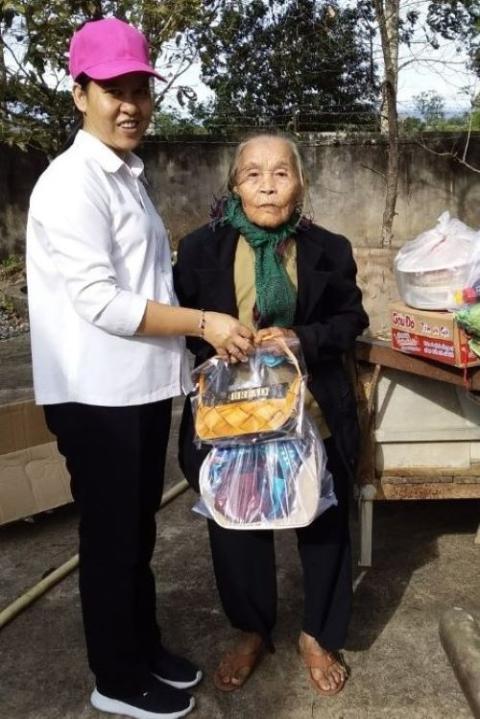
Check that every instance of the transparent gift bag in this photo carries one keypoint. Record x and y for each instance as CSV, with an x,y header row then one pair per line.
x,y
440,269
279,484
253,400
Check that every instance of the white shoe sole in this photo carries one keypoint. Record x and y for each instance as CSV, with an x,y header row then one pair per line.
x,y
181,685
115,706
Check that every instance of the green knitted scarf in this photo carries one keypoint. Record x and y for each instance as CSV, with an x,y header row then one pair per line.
x,y
276,296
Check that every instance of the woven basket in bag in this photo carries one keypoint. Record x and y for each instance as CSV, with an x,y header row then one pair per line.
x,y
248,416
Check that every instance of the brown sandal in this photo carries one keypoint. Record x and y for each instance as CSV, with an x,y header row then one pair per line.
x,y
235,662
313,660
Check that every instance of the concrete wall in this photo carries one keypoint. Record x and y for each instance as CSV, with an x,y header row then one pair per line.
x,y
346,191
346,194
18,173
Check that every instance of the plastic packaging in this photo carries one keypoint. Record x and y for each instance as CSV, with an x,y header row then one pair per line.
x,y
440,269
259,399
270,485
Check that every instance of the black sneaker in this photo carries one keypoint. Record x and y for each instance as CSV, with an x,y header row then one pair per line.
x,y
156,701
175,671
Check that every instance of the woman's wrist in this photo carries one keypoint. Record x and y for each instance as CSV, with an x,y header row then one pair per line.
x,y
202,323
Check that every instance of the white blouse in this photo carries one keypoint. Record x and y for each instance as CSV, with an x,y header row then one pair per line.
x,y
97,250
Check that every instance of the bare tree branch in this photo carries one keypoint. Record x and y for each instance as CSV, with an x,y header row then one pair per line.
x,y
375,171
452,153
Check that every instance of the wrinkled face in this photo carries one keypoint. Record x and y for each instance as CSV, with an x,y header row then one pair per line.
x,y
117,111
267,181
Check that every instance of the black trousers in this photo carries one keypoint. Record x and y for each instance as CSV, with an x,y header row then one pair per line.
x,y
116,457
244,565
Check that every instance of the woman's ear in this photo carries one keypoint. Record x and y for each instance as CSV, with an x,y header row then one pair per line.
x,y
80,98
300,201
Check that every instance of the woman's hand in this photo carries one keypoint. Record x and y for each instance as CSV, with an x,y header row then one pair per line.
x,y
273,332
228,336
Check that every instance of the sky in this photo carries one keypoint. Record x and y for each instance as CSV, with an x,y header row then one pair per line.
x,y
444,71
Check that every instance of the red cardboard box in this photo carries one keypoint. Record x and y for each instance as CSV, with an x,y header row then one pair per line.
x,y
433,335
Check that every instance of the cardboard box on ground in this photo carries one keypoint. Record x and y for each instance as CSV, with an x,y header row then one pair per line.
x,y
433,335
33,476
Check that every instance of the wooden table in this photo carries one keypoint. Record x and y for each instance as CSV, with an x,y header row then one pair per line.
x,y
379,352
373,356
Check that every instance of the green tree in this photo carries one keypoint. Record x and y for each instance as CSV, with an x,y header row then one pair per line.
x,y
475,113
174,125
430,107
458,20
411,125
35,103
299,65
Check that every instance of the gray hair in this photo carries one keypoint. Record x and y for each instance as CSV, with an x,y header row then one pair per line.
x,y
297,158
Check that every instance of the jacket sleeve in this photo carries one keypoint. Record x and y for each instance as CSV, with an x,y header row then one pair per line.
x,y
344,318
183,275
186,286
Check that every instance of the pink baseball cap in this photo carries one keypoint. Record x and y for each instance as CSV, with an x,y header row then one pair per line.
x,y
107,48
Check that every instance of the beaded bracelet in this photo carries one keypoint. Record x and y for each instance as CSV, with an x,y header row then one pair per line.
x,y
202,323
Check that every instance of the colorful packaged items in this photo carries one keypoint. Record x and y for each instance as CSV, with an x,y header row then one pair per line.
x,y
278,484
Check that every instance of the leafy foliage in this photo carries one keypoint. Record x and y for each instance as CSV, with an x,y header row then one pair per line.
x,y
35,105
458,20
173,125
298,65
430,106
10,266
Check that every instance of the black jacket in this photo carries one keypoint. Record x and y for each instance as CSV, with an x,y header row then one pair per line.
x,y
328,317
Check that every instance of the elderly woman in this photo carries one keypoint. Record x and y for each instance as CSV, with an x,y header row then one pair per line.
x,y
261,261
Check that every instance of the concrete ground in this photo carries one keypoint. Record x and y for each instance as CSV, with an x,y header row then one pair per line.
x,y
424,562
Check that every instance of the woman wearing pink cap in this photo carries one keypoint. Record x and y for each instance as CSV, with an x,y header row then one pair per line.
x,y
108,356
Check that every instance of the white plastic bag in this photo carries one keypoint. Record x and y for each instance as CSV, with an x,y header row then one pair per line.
x,y
279,484
440,269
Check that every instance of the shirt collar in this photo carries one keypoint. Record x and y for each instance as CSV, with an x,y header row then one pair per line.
x,y
108,160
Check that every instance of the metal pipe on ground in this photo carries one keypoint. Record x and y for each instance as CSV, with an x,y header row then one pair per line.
x,y
460,637
32,594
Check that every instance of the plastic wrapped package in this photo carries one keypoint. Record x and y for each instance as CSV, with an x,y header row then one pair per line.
x,y
440,269
270,485
259,399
